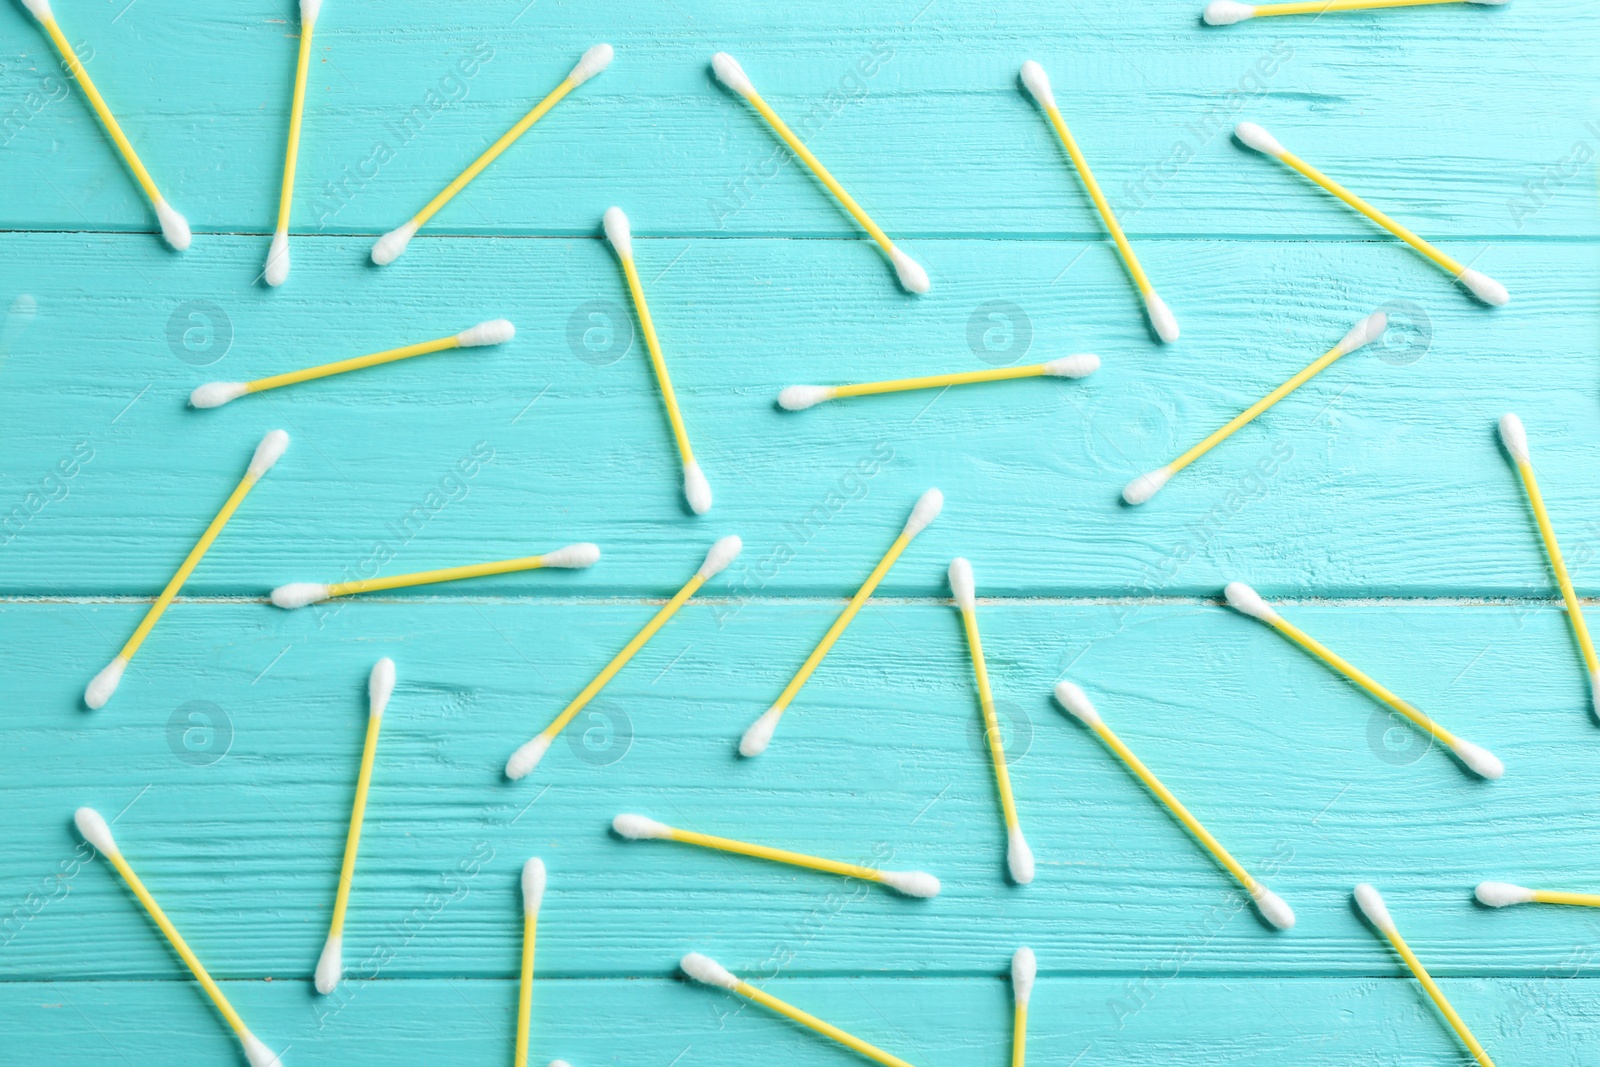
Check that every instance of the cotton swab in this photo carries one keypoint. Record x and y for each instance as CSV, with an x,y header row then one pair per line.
x,y
1019,858
1271,906
174,227
1365,332
277,270
1038,83
105,683
1515,439
533,878
1481,285
695,486
1479,760
97,832
759,735
911,883
330,967
1503,894
526,758
708,971
1377,914
215,394
1227,12
389,247
800,397
299,594
1024,968
912,277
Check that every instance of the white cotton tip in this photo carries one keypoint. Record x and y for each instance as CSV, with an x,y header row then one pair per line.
x,y
732,75
40,8
277,269
330,965
1226,13
1146,486
388,248
268,452
911,883
299,594
1161,317
961,584
1481,285
309,10
575,556
1253,136
800,397
1024,969
104,684
913,279
722,553
526,758
92,825
707,970
1242,598
256,1053
618,232
559,1063
640,828
1502,894
533,879
380,686
1479,760
1372,906
493,332
1019,857
593,62
759,735
1364,332
1038,83
174,227
1076,701
1272,907
927,509
1594,693
696,489
1080,365
216,394
1514,437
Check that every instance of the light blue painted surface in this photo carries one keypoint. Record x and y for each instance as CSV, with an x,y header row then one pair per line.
x,y
1391,511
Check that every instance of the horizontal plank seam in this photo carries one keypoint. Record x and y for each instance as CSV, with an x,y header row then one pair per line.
x,y
601,600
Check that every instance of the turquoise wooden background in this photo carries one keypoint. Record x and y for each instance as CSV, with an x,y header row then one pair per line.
x,y
1391,515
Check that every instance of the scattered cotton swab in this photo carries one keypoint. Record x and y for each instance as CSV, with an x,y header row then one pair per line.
x,y
1377,914
97,832
1227,12
1019,858
1161,319
526,758
912,277
911,883
695,486
1479,760
389,247
800,397
277,270
105,683
1504,894
533,879
708,971
174,227
215,394
299,594
1365,332
1515,439
330,967
1481,285
1271,906
759,735
1024,968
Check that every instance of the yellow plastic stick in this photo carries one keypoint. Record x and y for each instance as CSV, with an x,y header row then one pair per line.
x,y
800,397
330,968
1503,894
1024,968
526,758
1147,485
1552,896
299,594
277,269
1227,12
704,969
533,881
759,735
